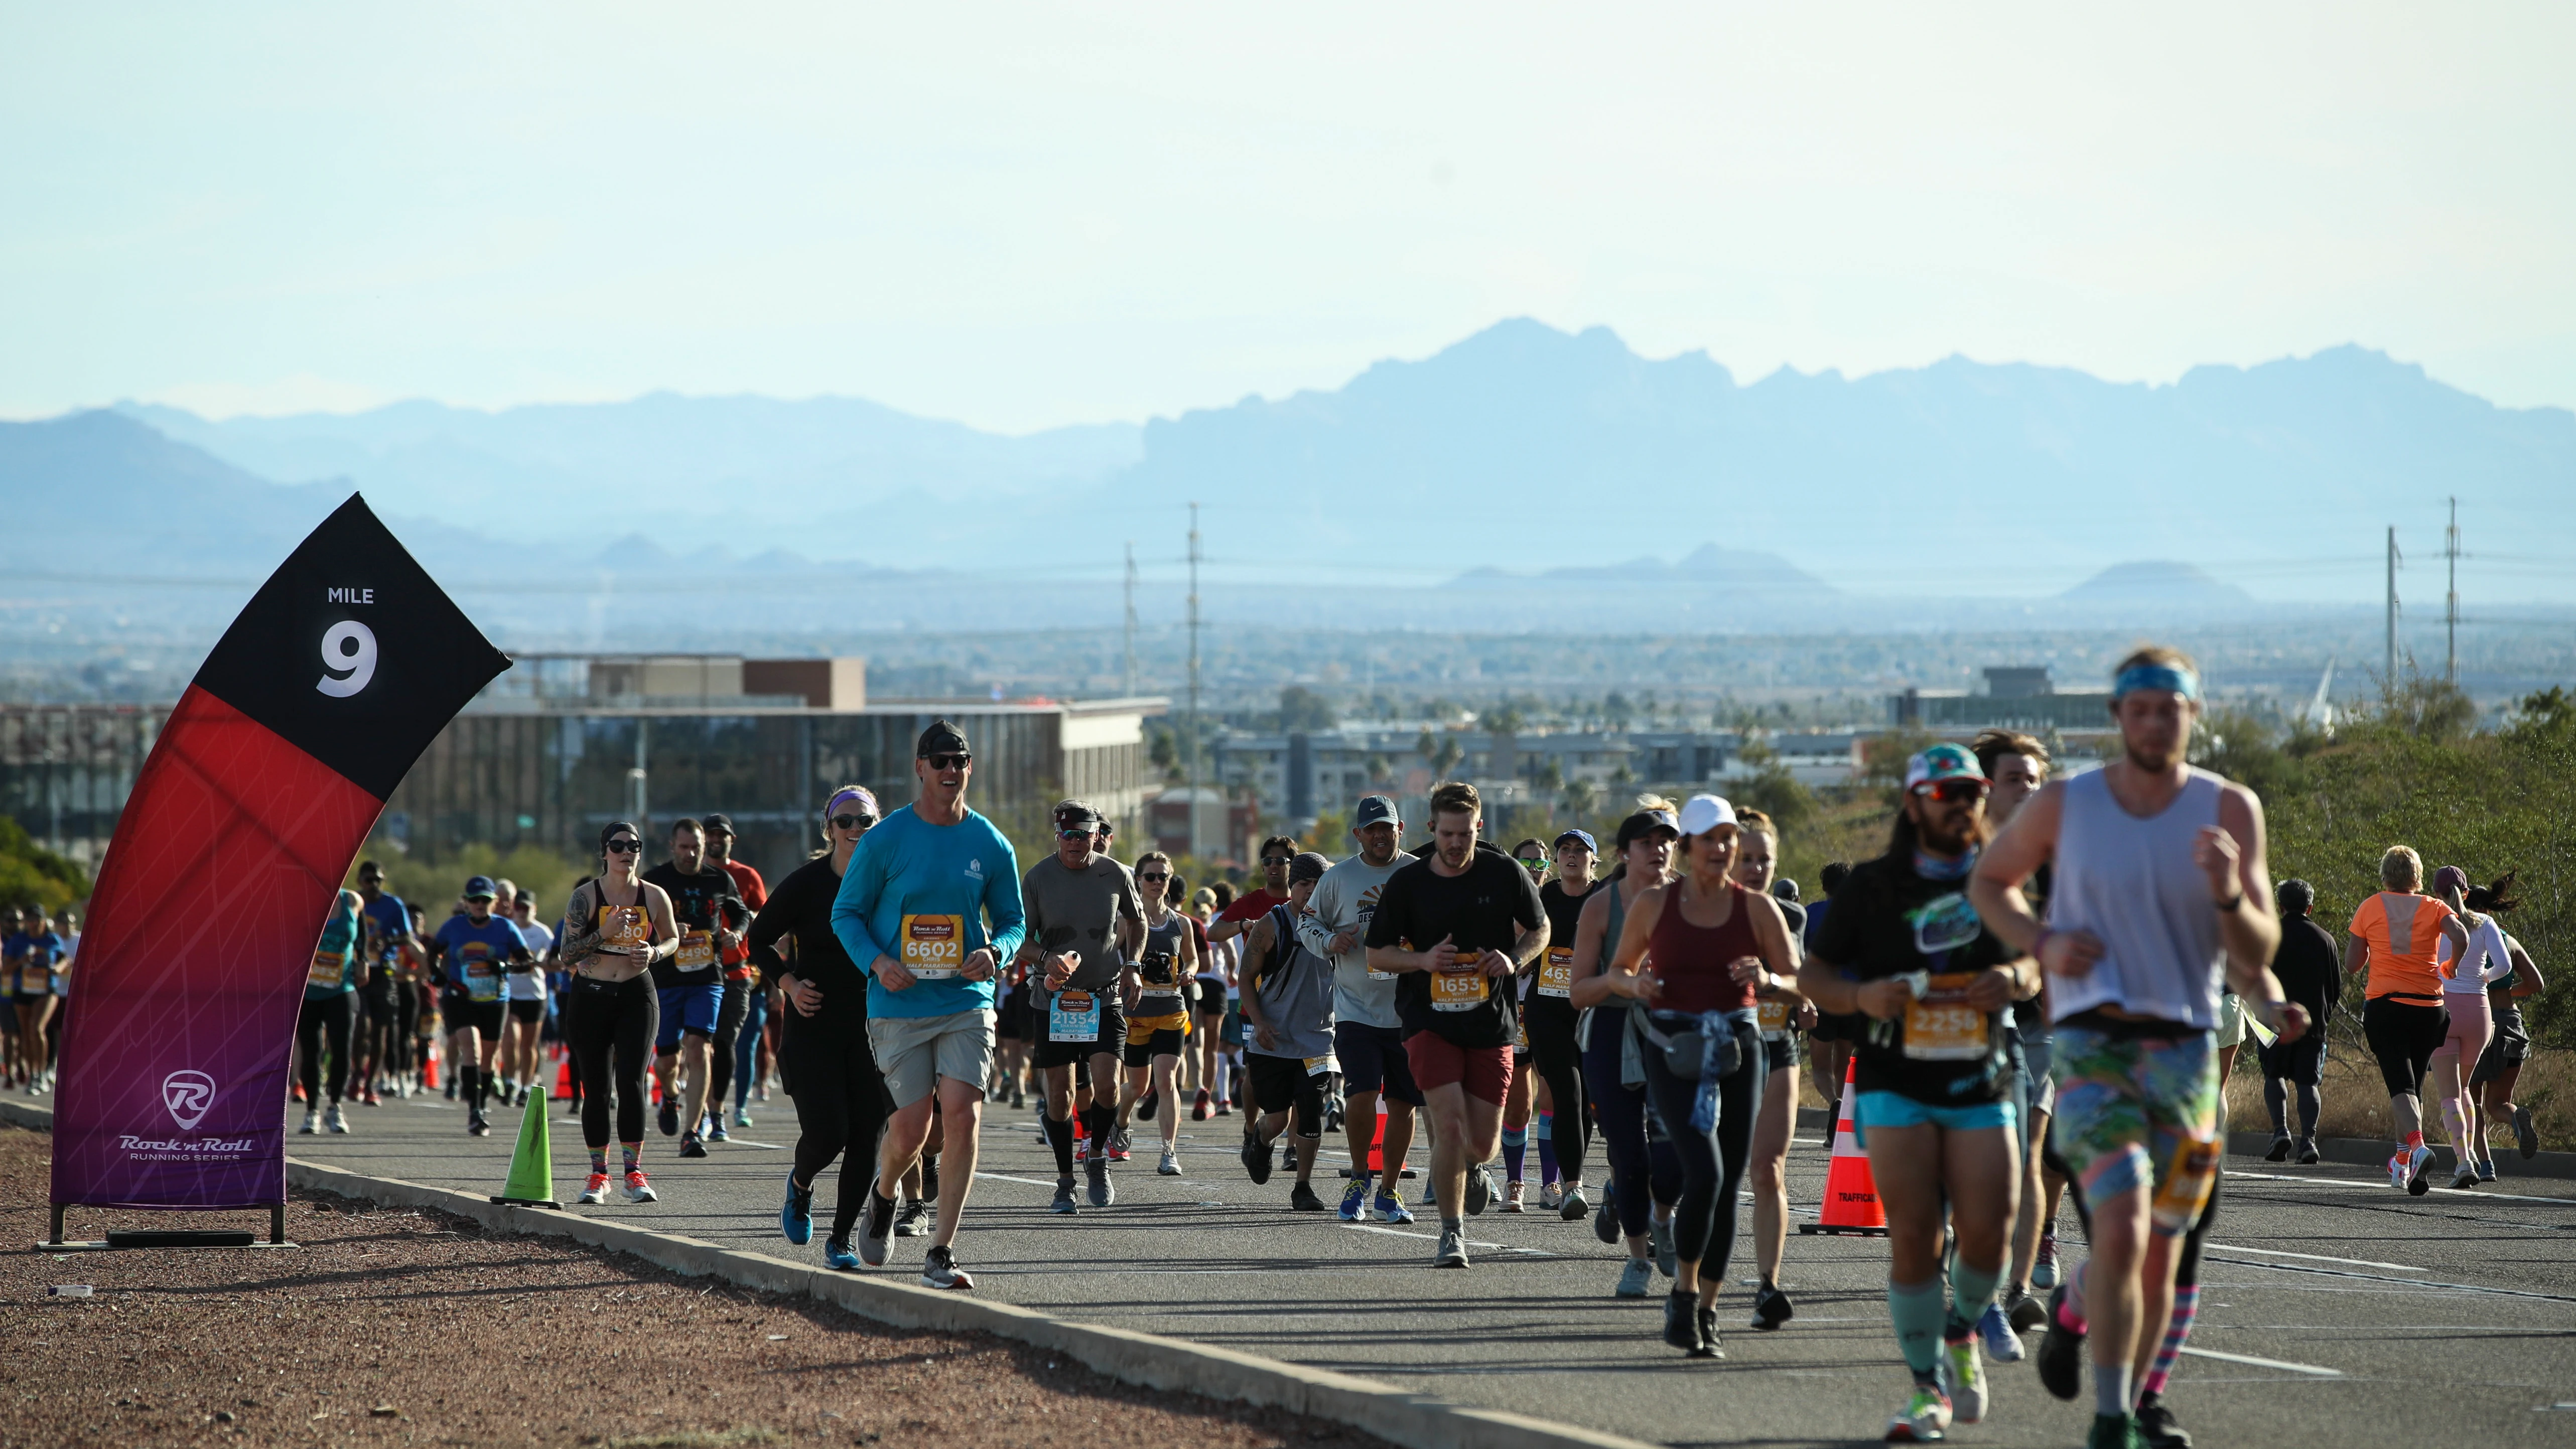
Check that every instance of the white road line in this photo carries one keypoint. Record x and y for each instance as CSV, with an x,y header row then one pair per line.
x,y
2270,1363
1434,1237
1000,1177
2313,1257
2376,1187
2405,1282
747,1142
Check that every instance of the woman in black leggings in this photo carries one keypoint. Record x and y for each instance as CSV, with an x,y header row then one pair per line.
x,y
615,927
1548,1015
1645,1175
841,1101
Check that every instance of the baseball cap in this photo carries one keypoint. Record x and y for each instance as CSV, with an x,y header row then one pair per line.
x,y
942,738
1072,813
1580,837
2450,878
1376,810
1644,823
481,888
1942,762
715,820
1703,813
1307,866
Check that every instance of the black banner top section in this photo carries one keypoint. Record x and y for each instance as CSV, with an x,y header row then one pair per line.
x,y
352,653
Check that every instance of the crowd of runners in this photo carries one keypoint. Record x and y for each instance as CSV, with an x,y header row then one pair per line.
x,y
2034,998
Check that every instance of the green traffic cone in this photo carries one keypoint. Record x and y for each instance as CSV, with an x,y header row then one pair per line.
x,y
532,1172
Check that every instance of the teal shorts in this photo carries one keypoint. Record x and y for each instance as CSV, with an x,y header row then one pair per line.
x,y
1895,1109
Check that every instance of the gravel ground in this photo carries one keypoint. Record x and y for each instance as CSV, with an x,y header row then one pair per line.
x,y
401,1327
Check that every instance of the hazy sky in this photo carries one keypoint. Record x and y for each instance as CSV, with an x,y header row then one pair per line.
x,y
1024,216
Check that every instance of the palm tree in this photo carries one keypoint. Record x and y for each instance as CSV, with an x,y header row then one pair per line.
x,y
1446,758
1578,797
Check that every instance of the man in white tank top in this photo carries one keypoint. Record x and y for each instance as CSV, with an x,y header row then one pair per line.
x,y
2159,886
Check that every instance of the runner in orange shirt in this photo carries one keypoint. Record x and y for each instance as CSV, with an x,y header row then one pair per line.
x,y
2393,935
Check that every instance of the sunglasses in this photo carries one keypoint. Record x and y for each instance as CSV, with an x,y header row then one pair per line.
x,y
949,762
1535,866
1076,834
625,847
1153,875
1951,792
1278,860
853,822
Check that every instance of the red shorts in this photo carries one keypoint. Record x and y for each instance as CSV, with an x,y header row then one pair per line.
x,y
1486,1072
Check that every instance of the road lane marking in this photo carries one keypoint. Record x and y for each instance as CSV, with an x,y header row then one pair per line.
x,y
2364,1183
2312,1257
747,1142
2270,1363
1000,1177
1434,1237
2406,1282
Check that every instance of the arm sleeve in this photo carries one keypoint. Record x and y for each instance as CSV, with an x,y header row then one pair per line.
x,y
2499,963
1315,929
857,899
1002,904
772,922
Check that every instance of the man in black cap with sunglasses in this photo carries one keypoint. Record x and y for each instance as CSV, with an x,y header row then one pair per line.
x,y
1084,926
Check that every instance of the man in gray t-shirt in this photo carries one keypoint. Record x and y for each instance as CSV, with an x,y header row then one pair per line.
x,y
1084,925
1368,1038
1288,1036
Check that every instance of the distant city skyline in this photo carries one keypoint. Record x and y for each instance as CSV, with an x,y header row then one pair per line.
x,y
1026,216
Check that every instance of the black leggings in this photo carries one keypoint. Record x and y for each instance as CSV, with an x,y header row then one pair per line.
x,y
1712,1161
2404,1035
841,1106
737,1005
324,1020
612,1021
1559,1063
1643,1171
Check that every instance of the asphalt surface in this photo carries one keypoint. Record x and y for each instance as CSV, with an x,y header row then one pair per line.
x,y
2334,1311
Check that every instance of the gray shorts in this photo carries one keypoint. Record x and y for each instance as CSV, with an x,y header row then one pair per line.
x,y
914,1052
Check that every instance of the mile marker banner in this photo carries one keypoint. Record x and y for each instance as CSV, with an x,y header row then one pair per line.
x,y
210,903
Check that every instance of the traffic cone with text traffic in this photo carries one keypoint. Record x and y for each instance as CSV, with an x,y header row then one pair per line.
x,y
532,1173
1851,1207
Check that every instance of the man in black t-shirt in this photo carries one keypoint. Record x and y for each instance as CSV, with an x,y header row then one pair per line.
x,y
690,982
1454,927
2312,975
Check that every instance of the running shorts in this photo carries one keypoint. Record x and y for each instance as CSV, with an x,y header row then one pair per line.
x,y
1895,1109
2128,1102
2506,1050
2405,1036
461,1011
915,1052
1279,1083
1373,1060
2302,1062
1012,1023
1111,1038
1785,1052
1230,1031
1212,1000
1485,1072
1146,1041
528,1010
2231,1021
692,1009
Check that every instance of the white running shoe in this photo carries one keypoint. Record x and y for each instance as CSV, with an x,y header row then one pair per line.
x,y
1966,1373
637,1189
1170,1166
333,1121
595,1191
312,1122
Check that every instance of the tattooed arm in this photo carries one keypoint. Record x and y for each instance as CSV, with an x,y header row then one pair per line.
x,y
580,938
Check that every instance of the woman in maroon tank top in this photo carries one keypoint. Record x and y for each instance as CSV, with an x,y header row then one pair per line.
x,y
1698,952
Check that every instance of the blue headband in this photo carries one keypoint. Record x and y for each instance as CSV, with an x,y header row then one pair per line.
x,y
2156,676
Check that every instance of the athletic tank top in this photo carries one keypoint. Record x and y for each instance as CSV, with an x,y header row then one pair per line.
x,y
2404,932
627,926
2132,883
1692,961
1159,967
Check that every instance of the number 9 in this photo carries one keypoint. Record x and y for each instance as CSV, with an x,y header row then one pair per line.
x,y
349,656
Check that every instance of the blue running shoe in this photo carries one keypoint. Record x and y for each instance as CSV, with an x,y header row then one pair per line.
x,y
796,1219
1391,1209
1354,1206
837,1253
2002,1344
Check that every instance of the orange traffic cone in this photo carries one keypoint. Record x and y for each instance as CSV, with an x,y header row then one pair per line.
x,y
1851,1207
429,1068
563,1076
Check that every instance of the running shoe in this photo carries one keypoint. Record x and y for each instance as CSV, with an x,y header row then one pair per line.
x,y
1967,1375
796,1215
1288,1159
1572,1207
2026,1313
1199,1109
2280,1150
741,1118
369,1097
1512,1196
915,1220
877,1227
716,1128
1102,1191
1925,1419
1453,1249
2060,1359
1118,1146
2420,1182
1605,1222
1550,1197
1170,1166
2157,1427
1064,1204
669,1121
1145,1107
1708,1345
1391,1209
1302,1199
2524,1138
690,1146
312,1123
1019,1095
475,1126
1771,1308
1256,1155
2002,1344
1225,1109
2465,1175
1681,1322
2486,1172
1659,1235
637,1189
1636,1278
1354,1206
2397,1169
2043,1264
2307,1154
939,1270
1480,1191
594,1191
2114,1431
837,1254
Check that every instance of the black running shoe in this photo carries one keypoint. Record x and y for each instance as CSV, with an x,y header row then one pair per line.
x,y
1302,1199
1480,1191
2060,1359
2307,1154
690,1146
670,1119
1681,1321
1256,1155
939,1270
2156,1424
1708,1335
1064,1204
1605,1220
2025,1313
1145,1107
2280,1150
1771,1308
2525,1139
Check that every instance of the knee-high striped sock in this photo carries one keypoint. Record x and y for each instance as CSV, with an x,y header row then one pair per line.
x,y
1547,1147
2186,1307
1515,1149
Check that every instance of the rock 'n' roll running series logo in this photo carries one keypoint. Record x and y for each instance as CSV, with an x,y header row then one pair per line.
x,y
189,1094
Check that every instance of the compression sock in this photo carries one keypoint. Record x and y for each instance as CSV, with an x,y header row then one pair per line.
x,y
599,1161
1546,1147
1103,1122
2111,1388
634,1154
1515,1151
2186,1307
1917,1310
929,1179
1972,1289
1059,1131
468,1088
2412,1141
2457,1122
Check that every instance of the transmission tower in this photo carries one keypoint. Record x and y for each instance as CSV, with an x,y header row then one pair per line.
x,y
1131,619
2451,605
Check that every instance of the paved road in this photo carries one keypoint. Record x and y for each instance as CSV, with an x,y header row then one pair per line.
x,y
2335,1311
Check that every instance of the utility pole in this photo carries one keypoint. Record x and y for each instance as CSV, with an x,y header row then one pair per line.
x,y
2451,605
2391,676
1131,619
1193,741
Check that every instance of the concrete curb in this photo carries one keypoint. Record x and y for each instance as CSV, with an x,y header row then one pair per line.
x,y
1154,1361
2373,1152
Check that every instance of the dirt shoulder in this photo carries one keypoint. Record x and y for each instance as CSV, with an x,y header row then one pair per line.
x,y
403,1327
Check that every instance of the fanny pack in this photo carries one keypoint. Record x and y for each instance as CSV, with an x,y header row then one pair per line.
x,y
1693,1049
